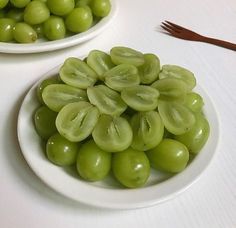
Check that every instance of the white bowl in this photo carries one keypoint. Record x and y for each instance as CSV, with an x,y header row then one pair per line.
x,y
107,193
41,45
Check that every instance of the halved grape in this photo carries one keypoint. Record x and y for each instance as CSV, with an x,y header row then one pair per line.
x,y
177,118
170,88
77,73
93,164
149,71
100,62
56,96
106,100
112,134
148,130
52,80
140,98
194,102
131,168
180,73
122,76
126,55
76,120
170,156
196,138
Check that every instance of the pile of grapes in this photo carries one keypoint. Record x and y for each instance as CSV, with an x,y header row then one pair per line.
x,y
122,113
24,21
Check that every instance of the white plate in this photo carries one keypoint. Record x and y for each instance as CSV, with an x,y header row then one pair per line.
x,y
43,46
107,193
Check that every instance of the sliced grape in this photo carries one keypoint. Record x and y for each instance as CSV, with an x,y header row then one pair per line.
x,y
126,55
177,118
149,71
56,96
180,73
148,130
77,73
76,121
170,88
141,97
194,102
100,62
196,138
112,134
106,100
122,76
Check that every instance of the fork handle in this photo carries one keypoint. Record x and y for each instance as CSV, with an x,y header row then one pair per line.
x,y
218,42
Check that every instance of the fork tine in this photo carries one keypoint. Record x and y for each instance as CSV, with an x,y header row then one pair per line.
x,y
172,32
175,25
171,27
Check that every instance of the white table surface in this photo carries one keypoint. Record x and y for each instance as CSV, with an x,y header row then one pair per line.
x,y
25,202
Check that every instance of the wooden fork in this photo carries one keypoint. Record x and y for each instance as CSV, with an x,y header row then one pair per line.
x,y
186,34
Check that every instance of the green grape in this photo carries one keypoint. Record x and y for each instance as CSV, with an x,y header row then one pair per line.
x,y
16,14
43,84
170,156
76,120
171,89
140,98
126,55
80,3
112,134
149,71
76,72
148,130
61,151
60,7
3,3
19,3
38,28
180,73
106,100
54,28
56,96
100,8
177,118
122,76
196,138
100,62
6,29
36,12
131,168
44,121
93,164
24,33
79,19
194,102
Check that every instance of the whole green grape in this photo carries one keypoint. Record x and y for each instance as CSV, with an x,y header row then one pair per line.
x,y
44,121
93,164
80,3
3,3
131,168
60,7
169,155
36,12
24,33
6,29
54,28
2,13
79,19
19,3
194,102
61,151
100,8
196,138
